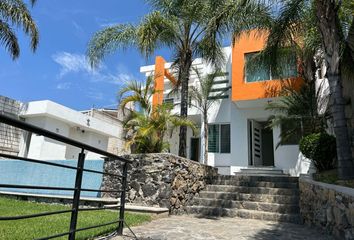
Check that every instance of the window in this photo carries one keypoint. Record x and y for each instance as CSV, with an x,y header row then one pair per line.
x,y
168,100
258,71
219,138
213,138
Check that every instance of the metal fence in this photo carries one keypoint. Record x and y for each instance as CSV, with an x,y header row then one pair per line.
x,y
75,209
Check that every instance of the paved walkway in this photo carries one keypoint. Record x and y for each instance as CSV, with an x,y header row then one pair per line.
x,y
189,227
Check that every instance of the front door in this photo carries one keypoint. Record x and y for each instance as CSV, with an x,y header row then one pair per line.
x,y
256,147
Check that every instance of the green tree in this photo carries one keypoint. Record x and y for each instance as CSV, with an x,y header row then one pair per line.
x,y
201,99
326,26
189,28
302,111
147,132
15,13
136,92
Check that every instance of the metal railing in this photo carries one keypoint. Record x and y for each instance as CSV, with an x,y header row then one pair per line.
x,y
75,209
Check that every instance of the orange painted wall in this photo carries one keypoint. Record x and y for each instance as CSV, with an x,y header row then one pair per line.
x,y
157,98
160,74
253,41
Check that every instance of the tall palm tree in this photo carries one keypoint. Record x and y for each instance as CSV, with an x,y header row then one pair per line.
x,y
189,28
326,26
202,100
15,13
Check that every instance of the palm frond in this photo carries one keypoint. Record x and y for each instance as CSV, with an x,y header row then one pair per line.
x,y
9,39
15,12
110,39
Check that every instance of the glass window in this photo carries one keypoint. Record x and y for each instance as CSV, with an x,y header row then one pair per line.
x,y
219,138
225,138
256,71
213,138
287,67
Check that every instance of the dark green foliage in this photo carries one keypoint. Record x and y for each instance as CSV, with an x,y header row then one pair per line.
x,y
321,148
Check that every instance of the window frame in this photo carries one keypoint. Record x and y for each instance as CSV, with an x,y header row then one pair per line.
x,y
219,143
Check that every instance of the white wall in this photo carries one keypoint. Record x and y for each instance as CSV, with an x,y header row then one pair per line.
x,y
45,148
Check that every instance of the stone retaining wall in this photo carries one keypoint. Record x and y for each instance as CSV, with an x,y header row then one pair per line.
x,y
163,180
330,207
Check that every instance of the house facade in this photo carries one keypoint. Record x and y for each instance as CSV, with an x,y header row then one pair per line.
x,y
238,134
93,127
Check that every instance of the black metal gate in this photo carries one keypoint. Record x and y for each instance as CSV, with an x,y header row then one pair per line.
x,y
72,229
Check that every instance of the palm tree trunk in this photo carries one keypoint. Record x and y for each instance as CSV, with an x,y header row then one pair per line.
x,y
205,138
328,25
184,78
202,141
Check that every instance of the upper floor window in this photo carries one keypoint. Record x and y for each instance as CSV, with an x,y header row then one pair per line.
x,y
259,71
168,100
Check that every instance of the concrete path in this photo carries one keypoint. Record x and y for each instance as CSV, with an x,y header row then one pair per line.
x,y
190,227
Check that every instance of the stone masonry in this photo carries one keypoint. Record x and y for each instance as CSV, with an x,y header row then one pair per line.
x,y
328,206
163,180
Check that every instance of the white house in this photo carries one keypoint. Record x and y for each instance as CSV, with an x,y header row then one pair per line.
x,y
67,122
238,137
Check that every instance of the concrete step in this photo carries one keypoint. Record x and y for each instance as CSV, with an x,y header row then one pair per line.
x,y
260,206
261,171
259,190
256,184
249,178
253,197
243,213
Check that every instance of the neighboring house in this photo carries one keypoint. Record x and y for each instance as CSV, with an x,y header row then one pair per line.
x,y
9,136
116,144
238,137
91,130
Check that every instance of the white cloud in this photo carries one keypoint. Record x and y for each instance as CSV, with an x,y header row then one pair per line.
x,y
70,62
95,95
64,85
77,63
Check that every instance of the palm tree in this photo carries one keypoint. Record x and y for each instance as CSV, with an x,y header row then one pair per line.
x,y
15,13
136,92
326,26
189,28
202,100
147,132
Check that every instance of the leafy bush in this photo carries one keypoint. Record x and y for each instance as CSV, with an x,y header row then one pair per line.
x,y
321,149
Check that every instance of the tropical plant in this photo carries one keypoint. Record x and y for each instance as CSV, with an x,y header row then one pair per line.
x,y
303,111
190,28
326,26
147,132
15,13
137,92
202,100
321,149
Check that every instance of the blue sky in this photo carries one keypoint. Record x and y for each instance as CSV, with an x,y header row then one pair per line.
x,y
57,70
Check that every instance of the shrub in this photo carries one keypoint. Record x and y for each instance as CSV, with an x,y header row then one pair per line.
x,y
321,149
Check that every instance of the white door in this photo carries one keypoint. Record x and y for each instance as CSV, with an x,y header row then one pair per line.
x,y
256,143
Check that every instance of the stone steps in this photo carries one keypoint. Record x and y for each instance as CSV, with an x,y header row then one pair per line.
x,y
259,196
256,178
243,213
256,184
253,197
249,205
261,171
259,190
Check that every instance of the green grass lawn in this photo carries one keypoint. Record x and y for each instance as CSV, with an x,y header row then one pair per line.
x,y
55,224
